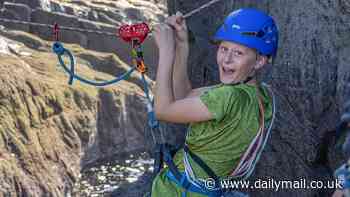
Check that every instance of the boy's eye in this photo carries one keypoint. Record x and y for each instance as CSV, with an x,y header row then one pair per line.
x,y
238,53
235,52
223,49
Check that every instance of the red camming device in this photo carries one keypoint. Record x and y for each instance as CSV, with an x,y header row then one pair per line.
x,y
137,31
135,35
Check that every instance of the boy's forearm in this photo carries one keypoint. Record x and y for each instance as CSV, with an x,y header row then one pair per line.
x,y
181,83
164,94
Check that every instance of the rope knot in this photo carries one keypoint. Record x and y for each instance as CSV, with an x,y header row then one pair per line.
x,y
58,48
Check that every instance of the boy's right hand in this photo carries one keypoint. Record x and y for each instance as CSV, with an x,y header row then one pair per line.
x,y
179,24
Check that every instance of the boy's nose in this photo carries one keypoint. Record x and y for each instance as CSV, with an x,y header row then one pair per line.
x,y
228,58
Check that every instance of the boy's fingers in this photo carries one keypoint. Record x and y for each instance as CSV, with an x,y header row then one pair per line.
x,y
176,21
178,27
171,21
179,18
179,14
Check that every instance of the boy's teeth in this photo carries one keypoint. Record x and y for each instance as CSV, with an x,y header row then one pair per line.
x,y
228,70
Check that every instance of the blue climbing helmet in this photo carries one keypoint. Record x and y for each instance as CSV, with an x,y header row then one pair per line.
x,y
252,28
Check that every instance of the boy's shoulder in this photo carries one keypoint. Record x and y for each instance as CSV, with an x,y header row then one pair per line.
x,y
199,91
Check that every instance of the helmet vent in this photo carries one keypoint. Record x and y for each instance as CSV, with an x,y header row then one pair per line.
x,y
258,34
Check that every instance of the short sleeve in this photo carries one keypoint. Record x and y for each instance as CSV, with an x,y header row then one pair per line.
x,y
219,101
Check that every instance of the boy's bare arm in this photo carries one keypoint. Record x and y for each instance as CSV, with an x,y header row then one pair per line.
x,y
181,83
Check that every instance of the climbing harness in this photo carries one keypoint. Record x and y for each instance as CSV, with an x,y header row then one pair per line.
x,y
189,182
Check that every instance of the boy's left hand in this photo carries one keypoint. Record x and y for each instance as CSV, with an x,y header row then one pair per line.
x,y
164,37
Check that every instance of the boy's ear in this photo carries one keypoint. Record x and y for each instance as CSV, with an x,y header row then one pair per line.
x,y
261,61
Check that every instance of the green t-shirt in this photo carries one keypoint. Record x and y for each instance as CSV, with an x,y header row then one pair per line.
x,y
219,142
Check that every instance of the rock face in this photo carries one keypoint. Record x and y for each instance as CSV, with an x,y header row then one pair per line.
x,y
33,4
48,129
308,76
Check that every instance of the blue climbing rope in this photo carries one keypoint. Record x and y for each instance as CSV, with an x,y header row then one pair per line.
x,y
61,51
135,35
152,120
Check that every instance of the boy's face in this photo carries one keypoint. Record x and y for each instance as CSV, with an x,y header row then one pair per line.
x,y
236,62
